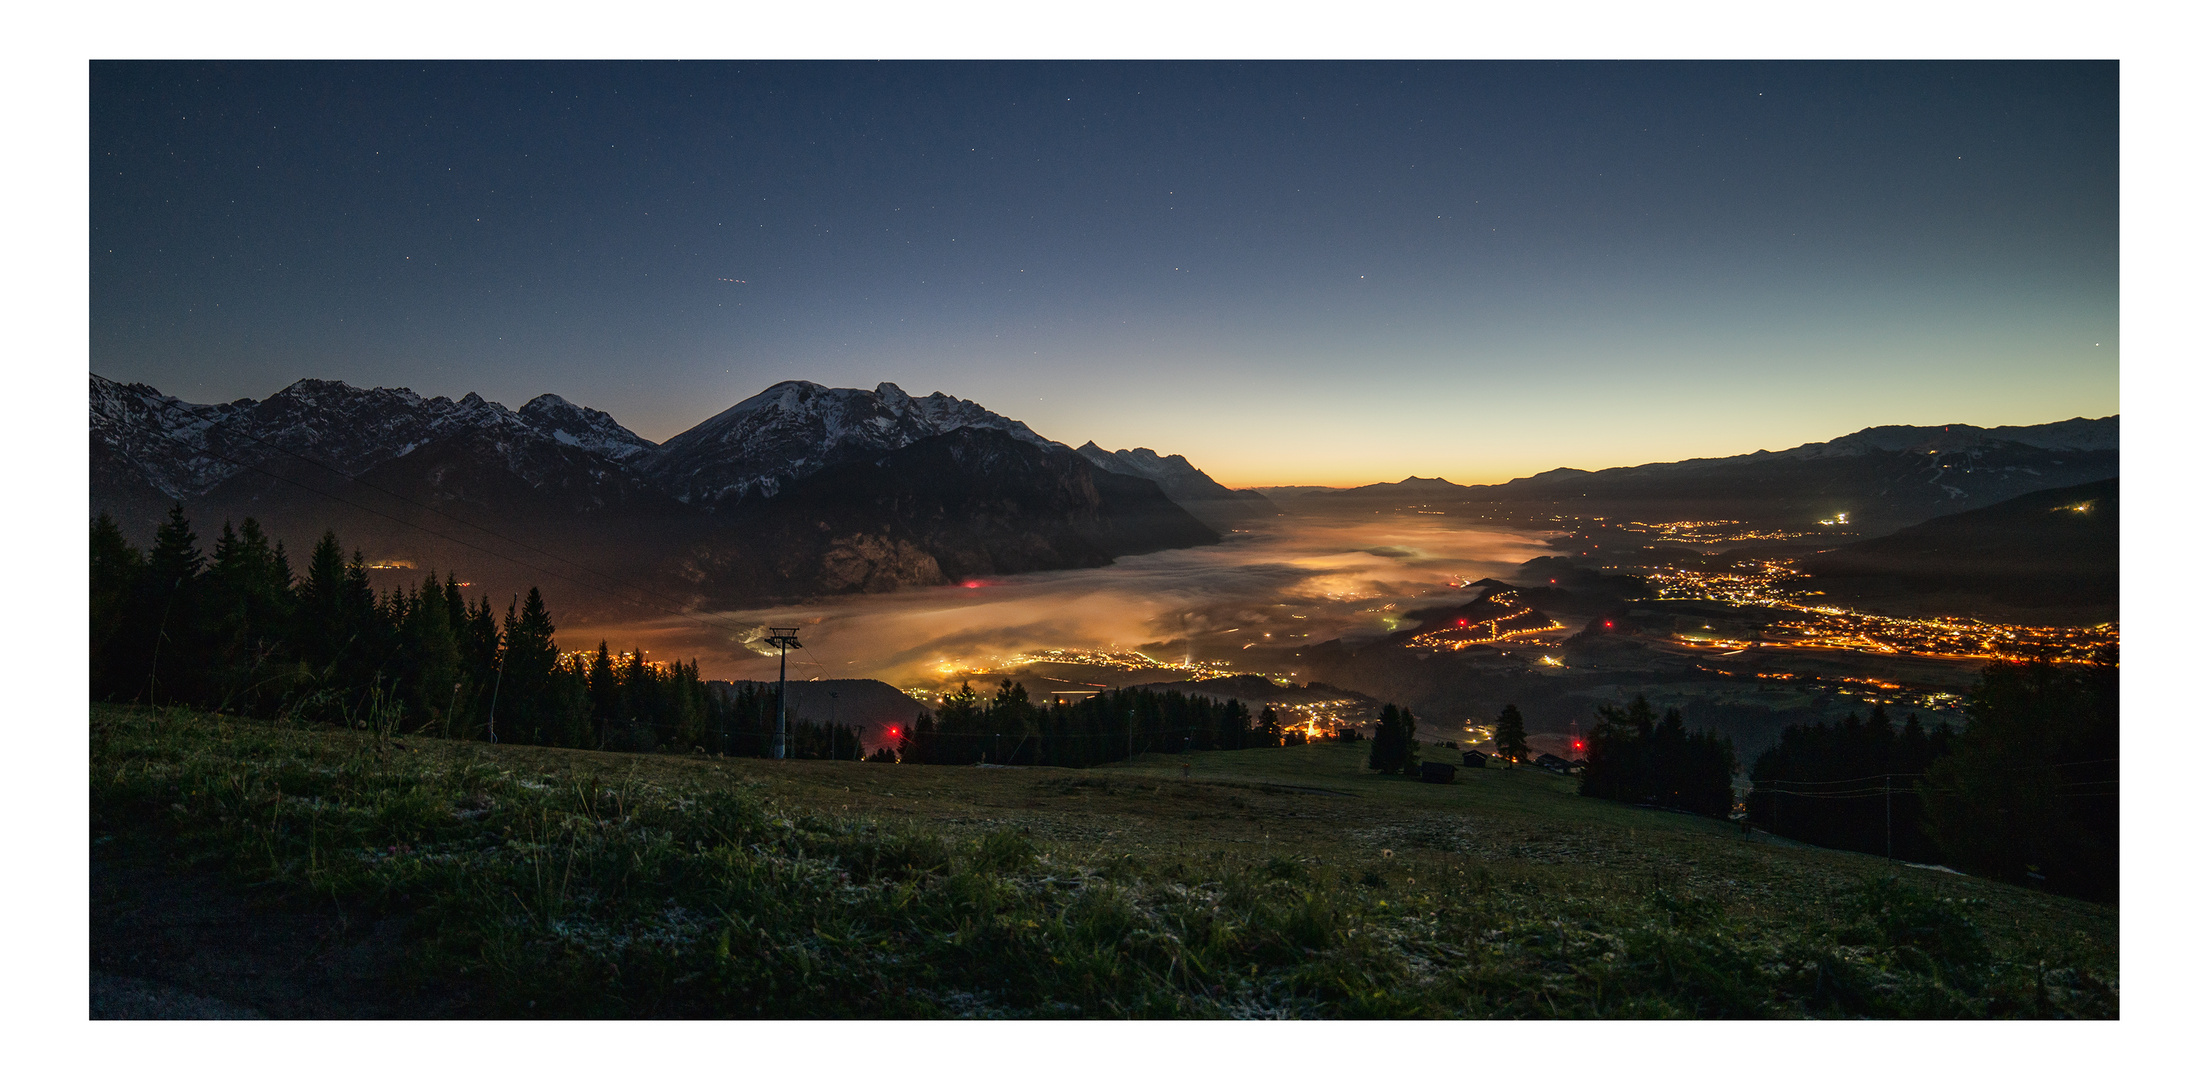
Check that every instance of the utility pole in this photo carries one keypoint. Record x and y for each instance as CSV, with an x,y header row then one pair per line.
x,y
784,638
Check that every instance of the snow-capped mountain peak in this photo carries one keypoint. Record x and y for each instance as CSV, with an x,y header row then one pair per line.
x,y
575,425
796,428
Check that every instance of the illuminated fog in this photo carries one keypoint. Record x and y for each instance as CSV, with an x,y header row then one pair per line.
x,y
1299,580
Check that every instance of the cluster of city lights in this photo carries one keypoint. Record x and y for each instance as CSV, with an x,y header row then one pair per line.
x,y
1770,583
1873,691
584,658
1707,532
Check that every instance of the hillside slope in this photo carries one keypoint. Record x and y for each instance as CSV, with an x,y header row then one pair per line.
x,y
2051,552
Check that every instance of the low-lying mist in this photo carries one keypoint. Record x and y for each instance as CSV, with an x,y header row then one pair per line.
x,y
1291,581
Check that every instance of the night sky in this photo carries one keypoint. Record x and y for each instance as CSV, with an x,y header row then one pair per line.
x,y
1290,272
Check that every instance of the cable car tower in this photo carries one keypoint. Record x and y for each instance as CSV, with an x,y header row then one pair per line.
x,y
784,638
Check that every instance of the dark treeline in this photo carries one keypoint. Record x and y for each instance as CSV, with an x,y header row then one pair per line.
x,y
2026,792
1635,757
2029,792
1009,729
1849,785
1395,748
236,630
740,721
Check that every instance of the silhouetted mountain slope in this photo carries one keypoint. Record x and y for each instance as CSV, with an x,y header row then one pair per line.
x,y
973,502
2051,549
1216,504
1882,477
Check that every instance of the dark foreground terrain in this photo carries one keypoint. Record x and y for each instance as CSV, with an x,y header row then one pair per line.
x,y
243,869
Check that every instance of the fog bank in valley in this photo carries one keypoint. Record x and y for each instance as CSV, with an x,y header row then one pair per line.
x,y
1298,579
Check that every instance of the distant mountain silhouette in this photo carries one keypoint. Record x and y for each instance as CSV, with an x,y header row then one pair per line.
x,y
1882,477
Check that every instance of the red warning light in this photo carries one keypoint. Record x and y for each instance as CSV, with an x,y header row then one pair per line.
x,y
1606,625
1460,622
1578,746
970,584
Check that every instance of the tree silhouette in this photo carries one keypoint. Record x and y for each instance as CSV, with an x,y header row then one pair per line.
x,y
1511,734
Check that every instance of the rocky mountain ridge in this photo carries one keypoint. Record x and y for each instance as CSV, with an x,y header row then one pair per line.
x,y
793,429
798,491
1217,504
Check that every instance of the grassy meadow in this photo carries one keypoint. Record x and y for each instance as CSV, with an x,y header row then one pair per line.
x,y
527,881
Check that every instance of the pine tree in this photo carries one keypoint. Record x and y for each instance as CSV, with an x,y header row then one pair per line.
x,y
430,655
530,659
1394,748
636,692
247,598
1511,734
168,605
1269,727
456,608
116,570
367,624
605,691
482,647
320,633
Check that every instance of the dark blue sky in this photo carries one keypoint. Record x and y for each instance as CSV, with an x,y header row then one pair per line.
x,y
1331,273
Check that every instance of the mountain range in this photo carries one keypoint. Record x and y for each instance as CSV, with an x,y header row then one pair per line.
x,y
1883,478
799,490
804,490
